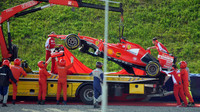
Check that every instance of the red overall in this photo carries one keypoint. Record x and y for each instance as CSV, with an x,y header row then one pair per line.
x,y
17,71
43,74
178,87
184,76
62,81
161,48
50,44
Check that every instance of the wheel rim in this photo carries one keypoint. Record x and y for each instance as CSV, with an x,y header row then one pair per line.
x,y
72,42
88,94
152,69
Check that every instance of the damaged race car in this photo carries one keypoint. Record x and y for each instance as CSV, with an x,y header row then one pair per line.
x,y
126,54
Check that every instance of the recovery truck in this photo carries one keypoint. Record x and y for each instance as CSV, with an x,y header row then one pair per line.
x,y
79,83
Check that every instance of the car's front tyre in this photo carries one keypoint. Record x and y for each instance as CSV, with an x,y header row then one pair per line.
x,y
72,41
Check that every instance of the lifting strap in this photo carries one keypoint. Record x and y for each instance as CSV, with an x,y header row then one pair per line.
x,y
121,24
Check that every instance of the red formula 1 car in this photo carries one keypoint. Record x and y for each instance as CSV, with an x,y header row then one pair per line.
x,y
127,54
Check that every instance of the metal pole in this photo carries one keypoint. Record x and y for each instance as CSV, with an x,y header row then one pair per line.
x,y
104,89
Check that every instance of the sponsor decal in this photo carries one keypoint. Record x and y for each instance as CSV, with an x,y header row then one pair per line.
x,y
118,54
28,4
110,51
69,2
9,10
134,51
97,42
128,46
164,57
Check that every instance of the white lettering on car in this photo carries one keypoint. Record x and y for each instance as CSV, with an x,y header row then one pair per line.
x,y
9,10
28,4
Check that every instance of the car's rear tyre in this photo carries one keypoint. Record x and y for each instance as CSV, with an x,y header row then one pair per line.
x,y
153,69
72,41
86,94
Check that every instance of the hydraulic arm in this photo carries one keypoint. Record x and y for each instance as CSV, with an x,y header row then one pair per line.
x,y
7,52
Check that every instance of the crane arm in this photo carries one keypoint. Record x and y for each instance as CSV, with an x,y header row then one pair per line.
x,y
17,11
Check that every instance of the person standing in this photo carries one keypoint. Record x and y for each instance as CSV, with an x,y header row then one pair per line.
x,y
185,80
188,70
178,87
62,78
43,74
97,82
17,71
5,75
50,46
159,46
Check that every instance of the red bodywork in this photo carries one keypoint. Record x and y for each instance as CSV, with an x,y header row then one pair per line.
x,y
126,54
165,60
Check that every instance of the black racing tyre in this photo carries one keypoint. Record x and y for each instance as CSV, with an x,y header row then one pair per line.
x,y
72,41
86,94
153,69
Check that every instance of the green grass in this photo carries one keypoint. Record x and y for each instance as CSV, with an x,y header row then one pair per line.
x,y
175,22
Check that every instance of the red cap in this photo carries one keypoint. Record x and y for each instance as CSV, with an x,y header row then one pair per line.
x,y
6,62
62,62
41,64
183,64
17,61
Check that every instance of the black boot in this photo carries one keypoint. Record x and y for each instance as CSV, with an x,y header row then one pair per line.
x,y
57,102
43,102
4,105
191,104
65,102
13,102
39,102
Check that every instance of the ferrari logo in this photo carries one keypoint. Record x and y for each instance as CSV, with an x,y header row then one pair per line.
x,y
118,54
128,46
97,42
